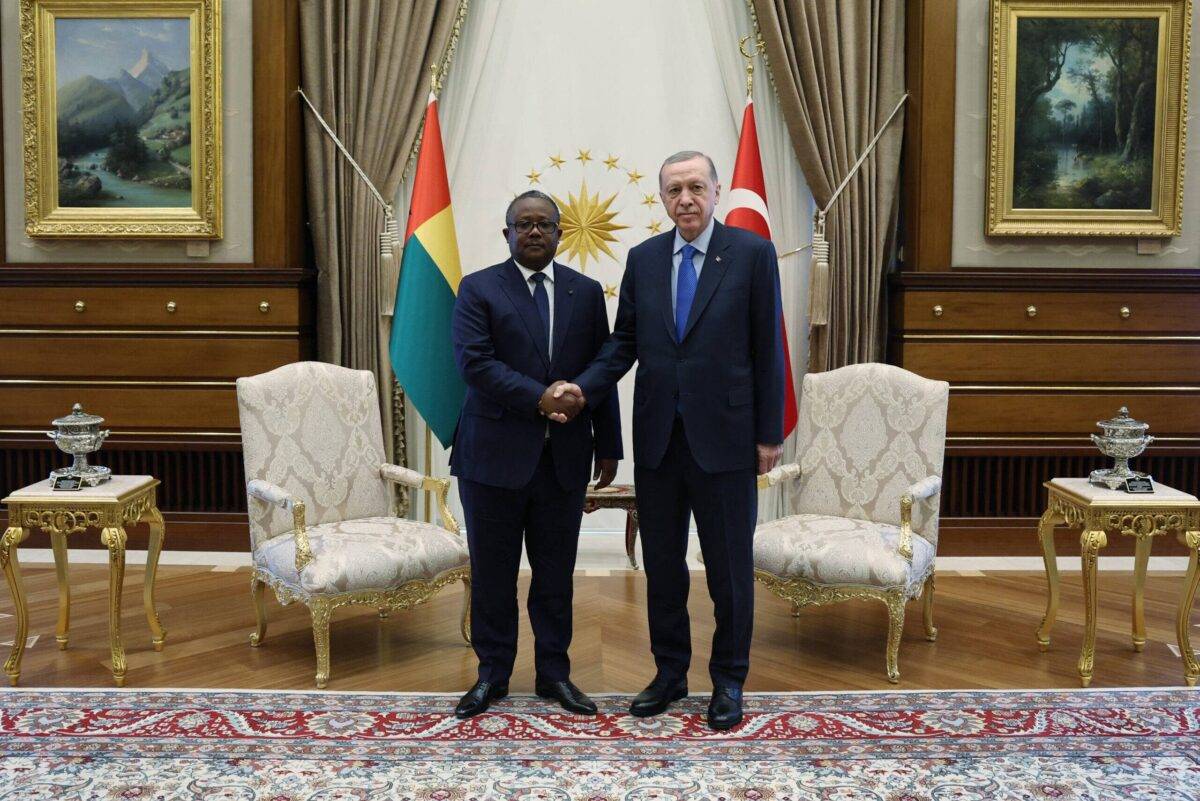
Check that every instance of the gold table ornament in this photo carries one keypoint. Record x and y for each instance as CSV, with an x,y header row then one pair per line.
x,y
110,507
1077,503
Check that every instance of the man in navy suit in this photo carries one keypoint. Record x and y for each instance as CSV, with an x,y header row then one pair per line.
x,y
517,326
700,313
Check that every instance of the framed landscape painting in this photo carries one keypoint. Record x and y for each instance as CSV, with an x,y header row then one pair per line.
x,y
121,109
1087,117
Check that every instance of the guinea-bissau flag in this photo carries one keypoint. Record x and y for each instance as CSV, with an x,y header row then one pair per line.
x,y
421,348
748,196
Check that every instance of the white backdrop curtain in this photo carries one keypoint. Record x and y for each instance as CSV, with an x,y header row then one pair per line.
x,y
536,80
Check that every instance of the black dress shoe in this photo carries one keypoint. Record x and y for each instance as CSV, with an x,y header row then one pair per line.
x,y
725,708
479,698
655,699
570,697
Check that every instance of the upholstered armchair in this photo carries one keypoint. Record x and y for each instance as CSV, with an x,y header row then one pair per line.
x,y
323,527
865,493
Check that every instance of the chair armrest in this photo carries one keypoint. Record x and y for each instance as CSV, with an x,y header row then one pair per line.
x,y
922,490
440,487
276,495
777,475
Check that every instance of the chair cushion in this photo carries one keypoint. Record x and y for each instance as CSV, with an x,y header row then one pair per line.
x,y
838,551
371,553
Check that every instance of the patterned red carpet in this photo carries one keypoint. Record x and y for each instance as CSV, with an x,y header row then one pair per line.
x,y
301,746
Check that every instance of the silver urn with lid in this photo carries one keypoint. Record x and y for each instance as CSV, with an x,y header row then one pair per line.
x,y
79,434
1123,439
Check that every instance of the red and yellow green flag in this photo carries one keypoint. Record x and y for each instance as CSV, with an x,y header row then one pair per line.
x,y
421,348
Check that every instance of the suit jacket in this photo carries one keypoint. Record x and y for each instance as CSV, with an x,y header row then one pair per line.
x,y
501,354
726,375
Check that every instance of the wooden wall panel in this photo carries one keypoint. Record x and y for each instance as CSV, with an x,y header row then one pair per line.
x,y
166,408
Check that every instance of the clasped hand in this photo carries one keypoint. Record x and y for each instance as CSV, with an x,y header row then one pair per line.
x,y
562,401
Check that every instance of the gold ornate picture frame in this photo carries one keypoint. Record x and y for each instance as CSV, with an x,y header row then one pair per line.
x,y
121,111
1087,117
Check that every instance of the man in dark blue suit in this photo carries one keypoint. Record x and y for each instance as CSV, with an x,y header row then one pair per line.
x,y
517,326
700,313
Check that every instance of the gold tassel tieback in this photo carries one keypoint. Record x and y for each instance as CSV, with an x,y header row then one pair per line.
x,y
819,284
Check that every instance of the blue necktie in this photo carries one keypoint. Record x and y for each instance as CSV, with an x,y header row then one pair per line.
x,y
685,291
541,299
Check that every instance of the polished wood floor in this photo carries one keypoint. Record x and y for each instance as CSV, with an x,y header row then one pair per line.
x,y
986,624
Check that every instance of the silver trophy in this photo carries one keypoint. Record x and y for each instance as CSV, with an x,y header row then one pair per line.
x,y
79,434
1123,439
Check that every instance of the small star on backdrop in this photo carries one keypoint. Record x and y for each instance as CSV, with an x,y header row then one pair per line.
x,y
610,291
584,156
611,161
634,176
655,227
534,177
557,162
648,200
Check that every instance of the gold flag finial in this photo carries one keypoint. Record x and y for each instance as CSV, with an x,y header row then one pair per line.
x,y
759,47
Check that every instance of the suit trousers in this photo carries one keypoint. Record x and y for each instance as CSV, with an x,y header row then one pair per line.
x,y
546,517
725,505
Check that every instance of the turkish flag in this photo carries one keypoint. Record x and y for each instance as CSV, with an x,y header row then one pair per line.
x,y
748,194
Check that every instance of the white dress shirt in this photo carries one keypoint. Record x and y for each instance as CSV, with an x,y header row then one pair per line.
x,y
700,243
549,282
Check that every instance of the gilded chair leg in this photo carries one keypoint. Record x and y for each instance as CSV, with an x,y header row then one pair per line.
x,y
58,541
1140,561
1191,670
258,591
895,607
320,624
465,626
930,629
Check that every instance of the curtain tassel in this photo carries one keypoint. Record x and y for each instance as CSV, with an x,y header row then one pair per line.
x,y
389,263
818,288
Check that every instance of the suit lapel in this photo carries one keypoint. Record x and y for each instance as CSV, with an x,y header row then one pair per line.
x,y
711,274
564,304
521,298
663,280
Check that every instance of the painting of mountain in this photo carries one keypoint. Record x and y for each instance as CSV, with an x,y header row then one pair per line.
x,y
124,120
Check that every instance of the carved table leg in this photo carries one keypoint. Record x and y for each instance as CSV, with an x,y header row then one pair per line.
x,y
1191,670
113,538
12,571
1090,544
158,634
631,532
1140,560
1046,536
58,541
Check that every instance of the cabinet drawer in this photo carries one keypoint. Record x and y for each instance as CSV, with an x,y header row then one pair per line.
x,y
182,307
1046,412
1038,361
1110,312
140,408
145,356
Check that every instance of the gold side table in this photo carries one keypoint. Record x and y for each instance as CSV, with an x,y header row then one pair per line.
x,y
1096,510
110,507
618,496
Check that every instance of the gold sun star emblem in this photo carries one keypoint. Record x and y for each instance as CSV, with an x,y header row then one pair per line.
x,y
634,176
611,161
557,162
587,226
584,156
610,291
648,200
534,177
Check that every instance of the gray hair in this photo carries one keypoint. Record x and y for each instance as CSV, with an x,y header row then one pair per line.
x,y
688,155
535,195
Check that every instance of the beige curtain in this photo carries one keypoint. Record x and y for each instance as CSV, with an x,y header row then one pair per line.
x,y
838,69
365,66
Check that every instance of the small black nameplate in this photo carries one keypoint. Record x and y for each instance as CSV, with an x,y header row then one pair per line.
x,y
1139,485
67,483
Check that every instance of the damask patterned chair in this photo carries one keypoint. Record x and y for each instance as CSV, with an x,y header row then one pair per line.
x,y
323,526
865,493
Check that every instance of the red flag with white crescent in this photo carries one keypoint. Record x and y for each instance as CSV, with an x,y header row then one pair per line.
x,y
748,194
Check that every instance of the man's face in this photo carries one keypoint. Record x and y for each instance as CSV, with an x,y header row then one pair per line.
x,y
532,247
689,194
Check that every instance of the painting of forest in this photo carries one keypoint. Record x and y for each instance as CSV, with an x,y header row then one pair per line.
x,y
1084,113
124,118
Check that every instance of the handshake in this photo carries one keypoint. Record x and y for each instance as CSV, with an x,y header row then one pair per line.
x,y
561,401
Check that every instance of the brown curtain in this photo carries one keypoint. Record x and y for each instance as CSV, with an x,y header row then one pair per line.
x,y
838,69
365,66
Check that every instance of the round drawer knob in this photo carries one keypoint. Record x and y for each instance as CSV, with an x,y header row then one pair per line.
x,y
171,307
1126,312
938,311
1031,311
80,306
264,307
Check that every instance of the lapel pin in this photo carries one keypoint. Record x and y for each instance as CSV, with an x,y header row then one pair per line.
x,y
718,258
